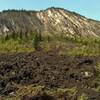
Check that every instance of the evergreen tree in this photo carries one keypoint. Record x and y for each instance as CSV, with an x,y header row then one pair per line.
x,y
36,40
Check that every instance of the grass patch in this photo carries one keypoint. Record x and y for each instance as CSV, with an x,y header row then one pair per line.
x,y
15,43
85,50
83,97
15,46
33,90
82,47
74,46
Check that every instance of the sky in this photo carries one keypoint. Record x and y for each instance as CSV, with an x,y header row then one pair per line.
x,y
88,8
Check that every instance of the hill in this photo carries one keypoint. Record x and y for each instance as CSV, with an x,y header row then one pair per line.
x,y
52,21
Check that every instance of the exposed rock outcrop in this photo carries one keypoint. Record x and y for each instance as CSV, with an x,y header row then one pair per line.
x,y
52,21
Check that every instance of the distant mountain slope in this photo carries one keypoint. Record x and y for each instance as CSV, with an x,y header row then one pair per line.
x,y
52,21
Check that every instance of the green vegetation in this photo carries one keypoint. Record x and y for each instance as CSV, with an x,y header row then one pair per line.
x,y
36,40
83,97
76,46
17,43
65,46
14,46
82,47
33,90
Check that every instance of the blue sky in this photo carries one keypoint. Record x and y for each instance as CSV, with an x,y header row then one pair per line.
x,y
88,8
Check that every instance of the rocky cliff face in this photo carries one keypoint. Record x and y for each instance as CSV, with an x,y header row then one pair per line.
x,y
52,21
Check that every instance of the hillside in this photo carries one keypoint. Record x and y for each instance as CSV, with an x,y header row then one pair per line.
x,y
51,54
52,21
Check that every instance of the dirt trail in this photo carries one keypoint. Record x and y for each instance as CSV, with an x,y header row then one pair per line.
x,y
47,69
